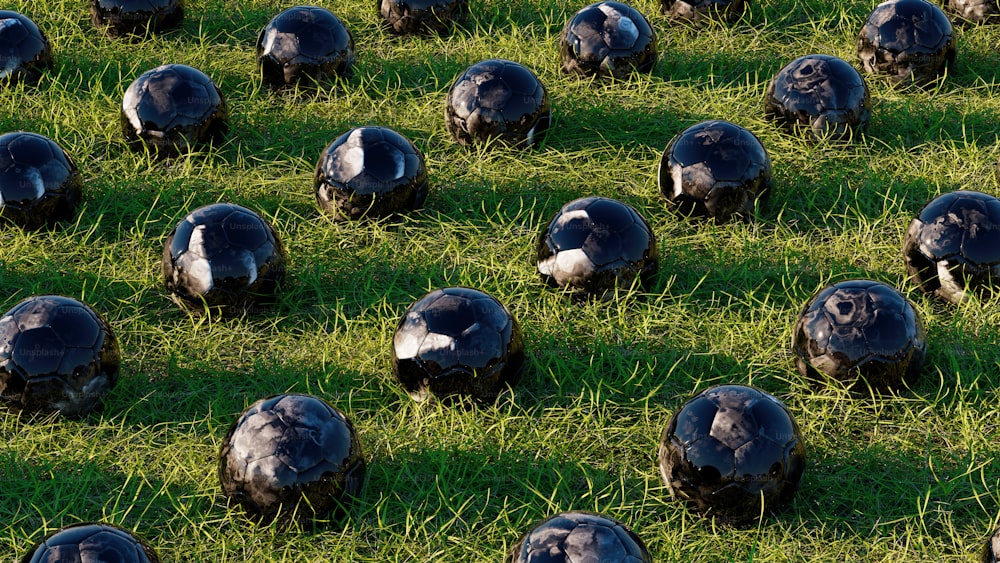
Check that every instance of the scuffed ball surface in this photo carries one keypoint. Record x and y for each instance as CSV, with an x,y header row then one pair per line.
x,y
136,17
225,258
370,171
171,109
304,45
423,16
457,342
580,537
906,41
595,246
700,11
976,11
821,95
952,247
608,39
39,182
715,169
732,452
25,51
860,333
498,100
91,543
291,456
56,355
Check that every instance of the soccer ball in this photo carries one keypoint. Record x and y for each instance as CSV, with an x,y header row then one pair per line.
x,y
579,536
370,171
953,246
24,50
976,11
91,543
595,246
136,17
172,108
860,332
907,41
457,343
732,452
304,45
291,457
39,183
56,355
223,258
500,100
715,169
423,16
821,94
697,11
608,39
991,554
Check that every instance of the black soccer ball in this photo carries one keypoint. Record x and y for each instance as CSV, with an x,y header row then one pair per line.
x,y
608,39
498,100
976,11
291,457
580,536
732,452
91,543
39,182
952,247
715,169
304,45
595,246
907,41
370,172
25,52
457,343
423,16
700,11
991,552
171,109
224,259
861,333
56,355
821,95
136,17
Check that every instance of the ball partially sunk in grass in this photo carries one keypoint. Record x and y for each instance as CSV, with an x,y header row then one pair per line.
x,y
39,182
976,11
291,457
498,100
596,246
370,172
25,51
423,16
820,95
56,355
991,551
580,536
304,45
608,39
715,169
172,109
136,17
223,259
907,42
701,11
732,452
91,543
952,247
457,343
861,333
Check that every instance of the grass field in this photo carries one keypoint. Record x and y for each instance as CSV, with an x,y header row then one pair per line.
x,y
914,477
